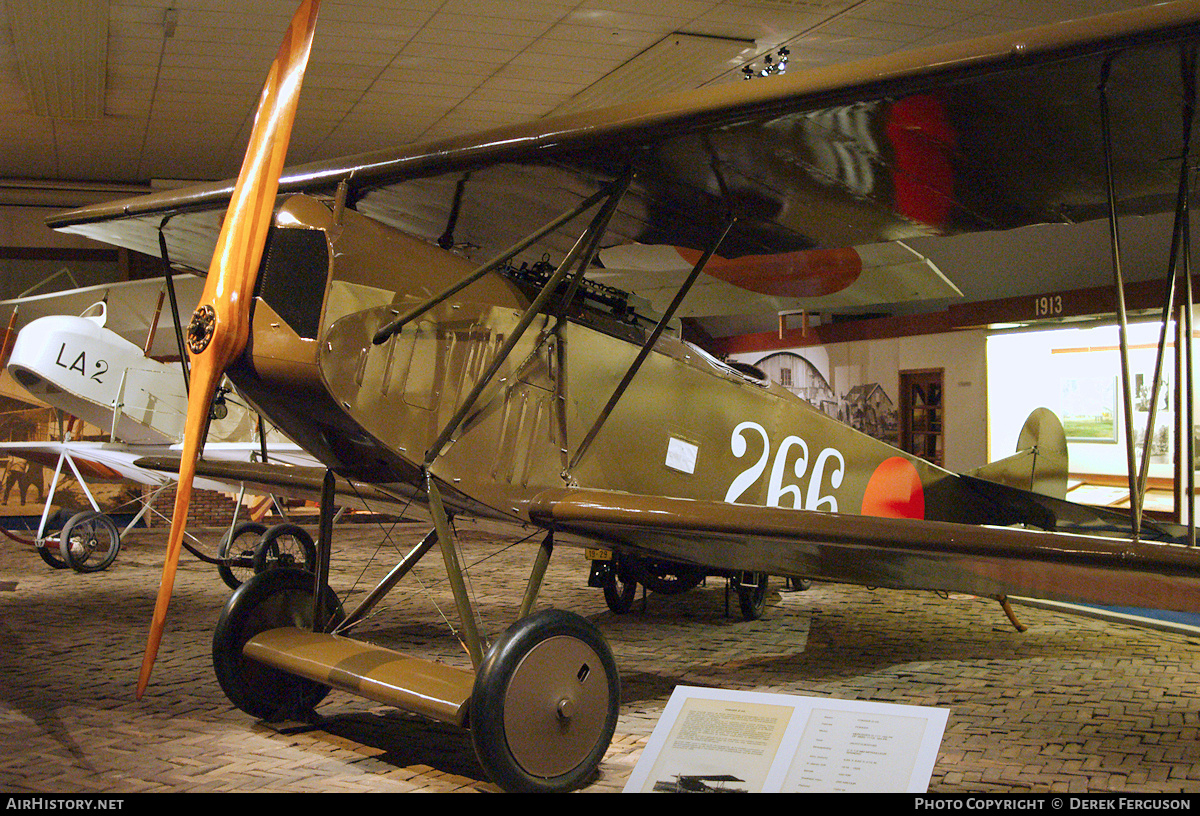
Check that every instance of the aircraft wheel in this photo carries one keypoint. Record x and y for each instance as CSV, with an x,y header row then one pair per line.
x,y
620,590
48,548
799,584
89,542
270,600
752,594
545,703
666,577
48,554
285,546
237,560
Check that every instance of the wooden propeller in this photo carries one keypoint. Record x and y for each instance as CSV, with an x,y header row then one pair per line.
x,y
221,324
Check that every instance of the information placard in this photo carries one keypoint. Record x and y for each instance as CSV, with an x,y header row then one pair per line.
x,y
720,740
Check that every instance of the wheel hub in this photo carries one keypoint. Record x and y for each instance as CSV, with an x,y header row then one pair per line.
x,y
555,706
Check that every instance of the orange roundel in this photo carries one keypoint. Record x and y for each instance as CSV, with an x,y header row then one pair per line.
x,y
804,273
894,491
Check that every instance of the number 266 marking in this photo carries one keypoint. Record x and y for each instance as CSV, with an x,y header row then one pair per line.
x,y
776,489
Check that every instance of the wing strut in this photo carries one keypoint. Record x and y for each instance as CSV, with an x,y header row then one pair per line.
x,y
1180,233
399,323
166,259
1135,496
582,252
648,346
1176,289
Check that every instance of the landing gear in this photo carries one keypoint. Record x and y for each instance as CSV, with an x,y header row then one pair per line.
x,y
666,577
270,600
620,590
285,546
236,560
89,542
545,703
613,575
46,547
752,593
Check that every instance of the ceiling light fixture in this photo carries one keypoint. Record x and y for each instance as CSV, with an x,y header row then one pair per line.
x,y
771,65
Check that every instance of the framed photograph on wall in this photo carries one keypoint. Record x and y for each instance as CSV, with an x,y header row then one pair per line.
x,y
1089,409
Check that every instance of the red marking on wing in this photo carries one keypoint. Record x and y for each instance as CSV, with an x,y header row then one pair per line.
x,y
923,142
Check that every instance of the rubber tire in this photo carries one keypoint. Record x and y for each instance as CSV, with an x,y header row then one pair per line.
x,y
273,552
92,526
620,591
245,556
666,577
47,550
269,600
752,598
503,665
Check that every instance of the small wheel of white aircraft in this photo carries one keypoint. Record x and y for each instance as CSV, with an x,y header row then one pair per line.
x,y
48,547
237,560
752,594
89,541
285,546
545,703
48,550
269,600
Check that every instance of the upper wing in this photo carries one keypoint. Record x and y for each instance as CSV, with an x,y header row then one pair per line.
x,y
882,552
986,135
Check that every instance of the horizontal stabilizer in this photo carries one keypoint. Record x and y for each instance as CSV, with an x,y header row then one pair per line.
x,y
1040,463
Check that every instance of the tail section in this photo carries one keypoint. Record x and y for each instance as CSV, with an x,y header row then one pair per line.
x,y
1040,463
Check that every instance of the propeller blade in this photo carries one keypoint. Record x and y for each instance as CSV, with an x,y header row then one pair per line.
x,y
221,324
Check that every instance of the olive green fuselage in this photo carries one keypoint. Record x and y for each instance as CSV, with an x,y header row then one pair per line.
x,y
688,425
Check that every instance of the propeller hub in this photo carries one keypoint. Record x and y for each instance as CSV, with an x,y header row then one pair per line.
x,y
200,330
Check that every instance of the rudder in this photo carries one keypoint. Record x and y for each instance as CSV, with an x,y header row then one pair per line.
x,y
1040,463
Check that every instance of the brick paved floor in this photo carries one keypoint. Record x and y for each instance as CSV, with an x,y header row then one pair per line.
x,y
1072,705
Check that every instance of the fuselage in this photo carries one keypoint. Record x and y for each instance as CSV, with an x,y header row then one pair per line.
x,y
688,425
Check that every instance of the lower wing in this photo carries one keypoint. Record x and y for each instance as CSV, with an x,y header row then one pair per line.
x,y
883,552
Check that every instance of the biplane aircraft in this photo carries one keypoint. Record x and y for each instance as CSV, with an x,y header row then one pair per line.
x,y
421,319
88,366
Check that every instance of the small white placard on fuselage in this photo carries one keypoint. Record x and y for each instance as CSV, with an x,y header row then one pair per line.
x,y
681,455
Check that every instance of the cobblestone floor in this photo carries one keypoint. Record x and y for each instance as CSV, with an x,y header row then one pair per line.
x,y
1071,705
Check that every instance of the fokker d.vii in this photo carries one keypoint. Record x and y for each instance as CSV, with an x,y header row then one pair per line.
x,y
422,319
